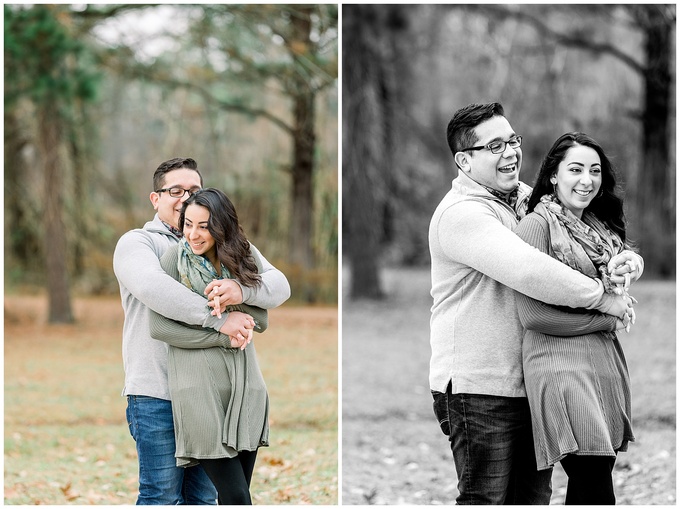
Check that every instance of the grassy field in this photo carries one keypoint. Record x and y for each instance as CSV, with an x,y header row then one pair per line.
x,y
66,439
392,449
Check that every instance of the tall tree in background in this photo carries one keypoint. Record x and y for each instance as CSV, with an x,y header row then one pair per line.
x,y
655,184
363,147
41,63
291,48
653,190
511,53
306,32
247,37
270,62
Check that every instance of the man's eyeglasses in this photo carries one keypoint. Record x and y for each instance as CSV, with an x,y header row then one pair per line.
x,y
178,192
498,147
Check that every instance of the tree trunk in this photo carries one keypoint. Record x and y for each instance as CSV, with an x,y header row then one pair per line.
x,y
304,142
302,176
22,240
58,291
654,187
361,152
76,147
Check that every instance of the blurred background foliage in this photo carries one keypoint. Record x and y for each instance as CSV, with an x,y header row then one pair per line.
x,y
97,96
607,70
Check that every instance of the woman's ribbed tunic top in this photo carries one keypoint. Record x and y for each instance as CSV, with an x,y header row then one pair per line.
x,y
219,398
575,373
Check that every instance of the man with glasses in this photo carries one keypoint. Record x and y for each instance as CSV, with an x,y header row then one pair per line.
x,y
143,286
475,332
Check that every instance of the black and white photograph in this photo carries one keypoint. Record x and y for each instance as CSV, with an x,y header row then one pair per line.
x,y
508,306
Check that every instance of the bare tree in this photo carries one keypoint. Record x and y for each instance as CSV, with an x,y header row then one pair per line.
x,y
54,248
363,146
654,189
251,37
485,31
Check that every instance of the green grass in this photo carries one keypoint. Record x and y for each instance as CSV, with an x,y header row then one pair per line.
x,y
66,439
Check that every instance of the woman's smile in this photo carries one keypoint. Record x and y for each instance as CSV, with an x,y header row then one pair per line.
x,y
581,166
201,241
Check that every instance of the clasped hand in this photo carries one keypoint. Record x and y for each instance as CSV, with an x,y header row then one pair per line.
x,y
222,293
239,327
622,268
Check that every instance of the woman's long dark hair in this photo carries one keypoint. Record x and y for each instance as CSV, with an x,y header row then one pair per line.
x,y
607,205
231,244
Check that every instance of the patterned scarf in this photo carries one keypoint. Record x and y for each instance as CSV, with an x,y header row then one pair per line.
x,y
177,233
585,244
517,200
196,272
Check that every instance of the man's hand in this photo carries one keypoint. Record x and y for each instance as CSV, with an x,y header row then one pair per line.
x,y
239,327
223,293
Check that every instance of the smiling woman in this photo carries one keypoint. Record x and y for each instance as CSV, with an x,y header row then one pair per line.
x,y
220,402
578,178
159,350
197,234
579,390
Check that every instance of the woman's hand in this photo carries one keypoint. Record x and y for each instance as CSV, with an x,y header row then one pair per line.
x,y
624,324
620,306
624,268
239,327
241,343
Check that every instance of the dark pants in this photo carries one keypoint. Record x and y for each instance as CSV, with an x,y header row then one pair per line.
x,y
590,480
231,477
493,449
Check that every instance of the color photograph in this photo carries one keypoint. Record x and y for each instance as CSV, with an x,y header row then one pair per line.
x,y
171,254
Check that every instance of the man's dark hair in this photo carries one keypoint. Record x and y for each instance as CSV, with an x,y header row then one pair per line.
x,y
460,133
177,163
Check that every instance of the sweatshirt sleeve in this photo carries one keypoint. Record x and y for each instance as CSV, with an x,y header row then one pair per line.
x,y
471,233
274,289
540,317
137,266
182,335
178,334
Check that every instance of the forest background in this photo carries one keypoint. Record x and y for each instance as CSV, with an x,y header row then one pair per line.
x,y
606,70
96,97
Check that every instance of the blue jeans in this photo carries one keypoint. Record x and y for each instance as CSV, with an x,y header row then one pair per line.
x,y
160,481
493,449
